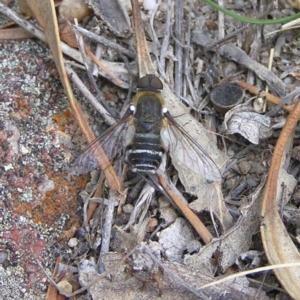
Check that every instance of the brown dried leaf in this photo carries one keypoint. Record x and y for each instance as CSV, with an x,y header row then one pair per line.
x,y
15,34
294,3
67,34
25,9
278,245
70,9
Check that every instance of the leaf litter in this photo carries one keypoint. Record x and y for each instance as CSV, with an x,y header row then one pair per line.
x,y
234,223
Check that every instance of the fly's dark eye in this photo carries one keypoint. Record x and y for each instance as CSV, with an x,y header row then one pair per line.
x,y
143,83
150,83
156,83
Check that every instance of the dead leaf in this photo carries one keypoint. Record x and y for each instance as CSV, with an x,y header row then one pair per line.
x,y
294,3
113,13
209,198
177,283
278,245
251,125
235,241
175,238
25,9
70,9
15,34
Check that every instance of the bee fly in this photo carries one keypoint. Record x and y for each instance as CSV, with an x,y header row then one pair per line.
x,y
146,132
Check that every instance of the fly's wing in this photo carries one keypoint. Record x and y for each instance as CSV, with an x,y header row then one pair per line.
x,y
112,141
176,140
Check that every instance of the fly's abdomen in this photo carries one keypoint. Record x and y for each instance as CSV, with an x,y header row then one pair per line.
x,y
145,153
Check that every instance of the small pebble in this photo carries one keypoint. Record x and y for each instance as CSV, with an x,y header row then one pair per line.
x,y
152,225
257,168
23,150
244,167
149,4
229,68
229,184
3,256
73,242
65,286
258,104
127,208
288,80
8,167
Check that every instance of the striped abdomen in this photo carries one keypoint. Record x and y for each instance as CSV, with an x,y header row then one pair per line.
x,y
145,153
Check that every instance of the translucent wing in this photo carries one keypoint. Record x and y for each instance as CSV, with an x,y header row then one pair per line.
x,y
112,141
177,141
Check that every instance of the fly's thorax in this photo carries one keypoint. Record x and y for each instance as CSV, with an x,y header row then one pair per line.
x,y
150,94
148,113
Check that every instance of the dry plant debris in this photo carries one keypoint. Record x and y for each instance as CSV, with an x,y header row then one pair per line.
x,y
172,252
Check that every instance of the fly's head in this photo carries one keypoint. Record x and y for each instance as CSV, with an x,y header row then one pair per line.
x,y
150,83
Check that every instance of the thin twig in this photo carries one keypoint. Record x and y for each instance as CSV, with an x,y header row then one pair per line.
x,y
144,60
234,53
187,84
145,197
48,276
22,22
178,48
52,290
289,98
165,42
228,37
221,26
106,229
156,45
105,42
254,52
77,81
15,34
66,49
82,49
106,70
88,205
256,91
98,54
186,211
